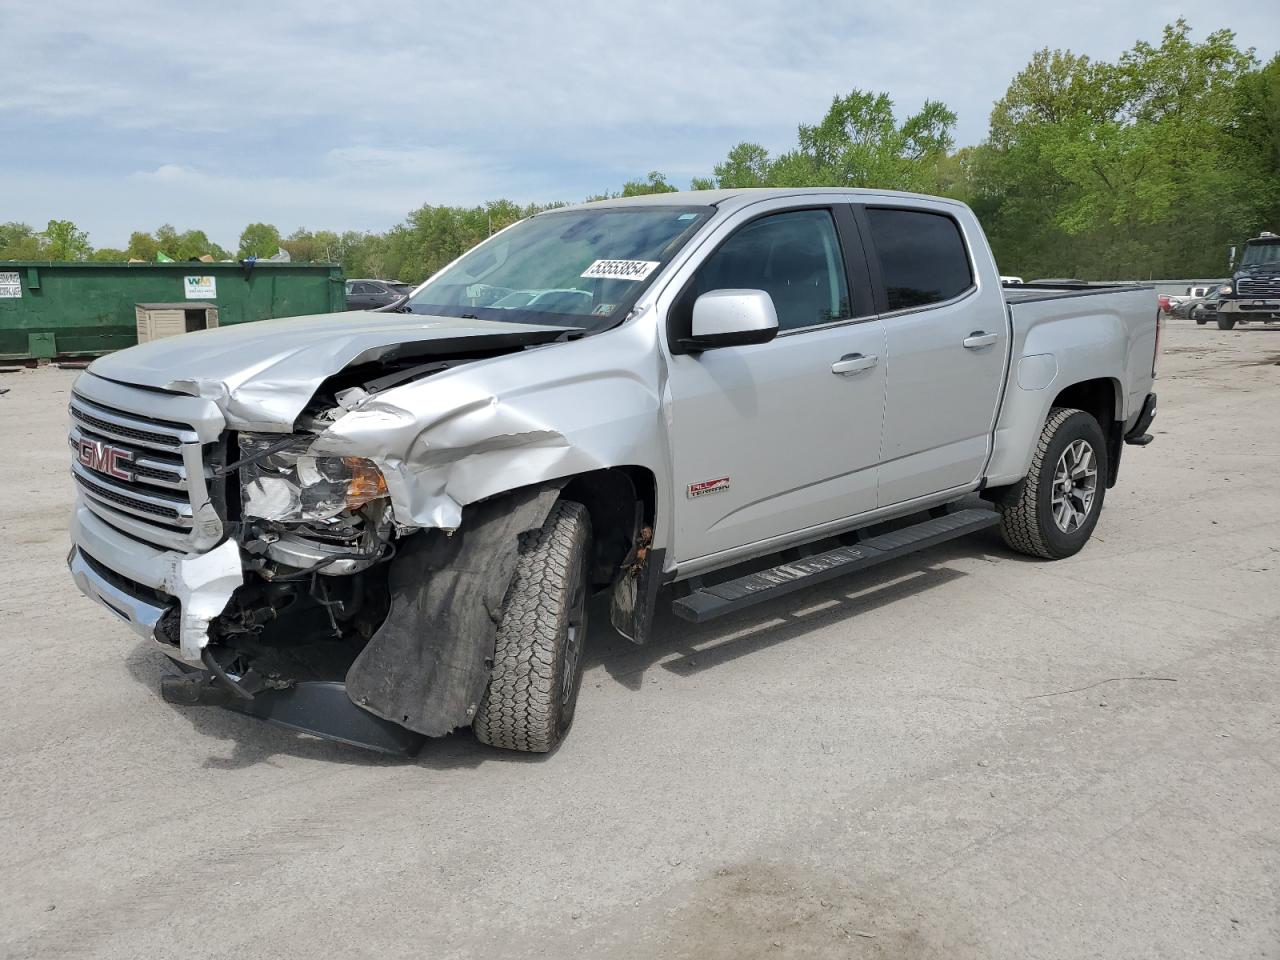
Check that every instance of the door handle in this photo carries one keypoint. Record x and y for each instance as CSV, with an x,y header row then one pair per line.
x,y
854,363
980,338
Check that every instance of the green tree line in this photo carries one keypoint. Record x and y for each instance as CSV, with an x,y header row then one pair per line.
x,y
1148,166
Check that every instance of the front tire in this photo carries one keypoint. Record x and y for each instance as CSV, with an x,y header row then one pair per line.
x,y
1058,506
1226,323
537,662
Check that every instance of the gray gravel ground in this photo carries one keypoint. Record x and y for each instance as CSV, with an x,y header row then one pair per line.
x,y
936,759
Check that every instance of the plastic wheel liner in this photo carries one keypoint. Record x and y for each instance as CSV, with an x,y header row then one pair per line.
x,y
427,666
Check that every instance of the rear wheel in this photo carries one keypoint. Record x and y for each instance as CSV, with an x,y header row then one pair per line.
x,y
1058,506
537,662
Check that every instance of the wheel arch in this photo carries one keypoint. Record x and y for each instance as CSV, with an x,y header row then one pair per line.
x,y
622,503
1103,399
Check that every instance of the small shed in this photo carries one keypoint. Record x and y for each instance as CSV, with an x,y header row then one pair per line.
x,y
157,320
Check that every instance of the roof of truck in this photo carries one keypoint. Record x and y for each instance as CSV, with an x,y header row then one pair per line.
x,y
746,195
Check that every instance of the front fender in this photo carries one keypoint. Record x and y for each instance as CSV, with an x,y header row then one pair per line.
x,y
482,429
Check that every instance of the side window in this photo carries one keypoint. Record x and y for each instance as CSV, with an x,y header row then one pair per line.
x,y
794,257
922,256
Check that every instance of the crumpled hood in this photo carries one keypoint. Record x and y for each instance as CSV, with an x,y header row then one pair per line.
x,y
261,375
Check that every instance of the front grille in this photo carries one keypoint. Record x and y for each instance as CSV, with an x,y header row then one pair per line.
x,y
112,493
100,425
1258,287
160,471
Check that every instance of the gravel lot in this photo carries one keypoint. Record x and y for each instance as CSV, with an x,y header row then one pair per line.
x,y
937,759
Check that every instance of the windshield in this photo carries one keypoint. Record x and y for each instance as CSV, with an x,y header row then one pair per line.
x,y
1259,253
580,268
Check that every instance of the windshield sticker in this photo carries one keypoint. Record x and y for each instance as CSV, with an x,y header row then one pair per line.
x,y
620,269
603,309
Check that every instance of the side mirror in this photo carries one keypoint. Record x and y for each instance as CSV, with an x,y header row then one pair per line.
x,y
731,318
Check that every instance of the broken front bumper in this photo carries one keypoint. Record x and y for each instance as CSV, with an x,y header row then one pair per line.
x,y
163,595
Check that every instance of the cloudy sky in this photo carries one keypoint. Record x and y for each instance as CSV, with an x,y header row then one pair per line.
x,y
346,116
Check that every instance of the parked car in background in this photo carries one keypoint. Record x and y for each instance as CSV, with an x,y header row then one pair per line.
x,y
365,294
1181,306
1206,308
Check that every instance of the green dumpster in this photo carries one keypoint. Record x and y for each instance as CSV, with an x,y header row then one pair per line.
x,y
50,309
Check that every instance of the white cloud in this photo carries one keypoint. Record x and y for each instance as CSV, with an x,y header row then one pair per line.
x,y
301,112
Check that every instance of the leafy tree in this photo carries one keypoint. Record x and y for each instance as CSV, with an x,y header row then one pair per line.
x,y
1125,169
108,255
747,165
19,241
654,182
194,244
259,240
62,240
859,143
1256,134
142,246
167,241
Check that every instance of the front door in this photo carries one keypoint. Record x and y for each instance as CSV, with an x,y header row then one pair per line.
x,y
779,437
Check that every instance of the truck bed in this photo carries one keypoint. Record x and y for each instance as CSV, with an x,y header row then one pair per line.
x,y
1049,290
1064,333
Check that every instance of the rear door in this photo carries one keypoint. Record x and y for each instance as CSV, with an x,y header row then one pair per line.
x,y
947,344
777,438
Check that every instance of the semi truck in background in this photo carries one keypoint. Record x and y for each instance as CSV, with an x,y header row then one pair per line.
x,y
1253,292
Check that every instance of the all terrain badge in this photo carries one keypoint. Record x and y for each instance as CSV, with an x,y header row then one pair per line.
x,y
706,487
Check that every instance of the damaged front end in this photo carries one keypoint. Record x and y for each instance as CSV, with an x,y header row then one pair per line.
x,y
349,512
338,596
407,643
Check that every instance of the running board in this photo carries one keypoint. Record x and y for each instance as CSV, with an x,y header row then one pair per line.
x,y
706,603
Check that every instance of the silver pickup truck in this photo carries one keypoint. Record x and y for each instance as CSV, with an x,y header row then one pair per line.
x,y
379,527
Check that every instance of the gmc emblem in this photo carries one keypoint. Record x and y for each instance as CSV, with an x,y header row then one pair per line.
x,y
104,458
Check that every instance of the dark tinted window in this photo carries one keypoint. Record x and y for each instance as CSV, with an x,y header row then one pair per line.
x,y
794,257
922,256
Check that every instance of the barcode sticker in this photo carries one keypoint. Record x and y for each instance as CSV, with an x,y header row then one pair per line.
x,y
620,269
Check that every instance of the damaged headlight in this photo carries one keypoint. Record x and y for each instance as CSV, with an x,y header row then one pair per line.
x,y
292,484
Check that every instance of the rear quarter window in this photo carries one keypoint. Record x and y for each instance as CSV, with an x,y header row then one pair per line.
x,y
923,258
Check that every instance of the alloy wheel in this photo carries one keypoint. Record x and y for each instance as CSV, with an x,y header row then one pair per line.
x,y
1075,485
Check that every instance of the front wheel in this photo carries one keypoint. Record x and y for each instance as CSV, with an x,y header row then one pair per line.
x,y
537,661
1226,323
1058,506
